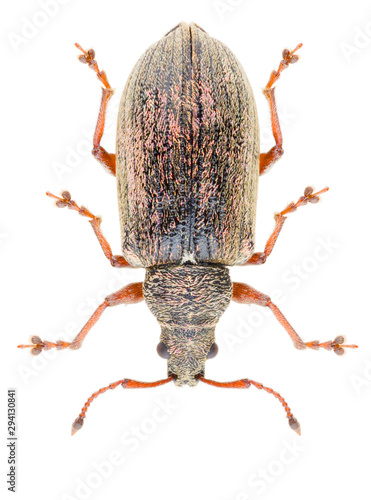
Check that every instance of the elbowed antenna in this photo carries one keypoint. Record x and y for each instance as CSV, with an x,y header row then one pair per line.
x,y
126,383
245,383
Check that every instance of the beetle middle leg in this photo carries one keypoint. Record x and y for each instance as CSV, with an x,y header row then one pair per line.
x,y
309,196
108,160
268,159
130,294
245,294
65,201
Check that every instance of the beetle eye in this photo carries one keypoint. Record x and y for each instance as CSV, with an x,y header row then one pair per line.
x,y
213,351
162,351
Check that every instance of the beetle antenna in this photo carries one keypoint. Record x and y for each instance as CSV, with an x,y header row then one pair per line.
x,y
126,383
245,384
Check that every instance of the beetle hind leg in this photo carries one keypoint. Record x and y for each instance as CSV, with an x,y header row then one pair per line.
x,y
268,159
108,160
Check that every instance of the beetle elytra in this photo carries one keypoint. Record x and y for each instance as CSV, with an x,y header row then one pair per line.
x,y
187,165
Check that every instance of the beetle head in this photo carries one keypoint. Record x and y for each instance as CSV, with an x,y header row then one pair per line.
x,y
186,351
187,301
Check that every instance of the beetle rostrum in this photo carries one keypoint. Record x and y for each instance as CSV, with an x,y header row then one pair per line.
x,y
187,165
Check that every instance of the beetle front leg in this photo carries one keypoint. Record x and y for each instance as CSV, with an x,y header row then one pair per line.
x,y
245,294
309,196
130,294
65,201
108,160
268,159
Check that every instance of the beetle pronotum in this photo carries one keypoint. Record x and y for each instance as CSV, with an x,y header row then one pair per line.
x,y
187,164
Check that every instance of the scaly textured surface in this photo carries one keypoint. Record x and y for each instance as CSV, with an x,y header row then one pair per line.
x,y
187,301
187,154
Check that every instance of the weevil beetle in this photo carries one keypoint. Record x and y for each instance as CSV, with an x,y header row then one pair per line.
x,y
187,164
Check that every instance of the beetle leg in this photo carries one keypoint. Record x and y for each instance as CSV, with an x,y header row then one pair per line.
x,y
130,294
108,160
309,196
245,294
65,201
268,159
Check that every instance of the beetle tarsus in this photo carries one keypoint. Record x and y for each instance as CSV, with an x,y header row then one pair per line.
x,y
288,57
337,345
308,197
37,345
65,201
87,57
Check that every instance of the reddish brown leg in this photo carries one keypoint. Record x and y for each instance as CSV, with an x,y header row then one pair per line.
x,y
65,201
130,294
106,159
245,294
309,196
245,384
268,159
126,383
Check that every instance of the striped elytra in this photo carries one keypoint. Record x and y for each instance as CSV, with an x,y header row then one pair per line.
x,y
187,154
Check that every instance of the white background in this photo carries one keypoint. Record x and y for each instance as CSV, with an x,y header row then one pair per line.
x,y
214,444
